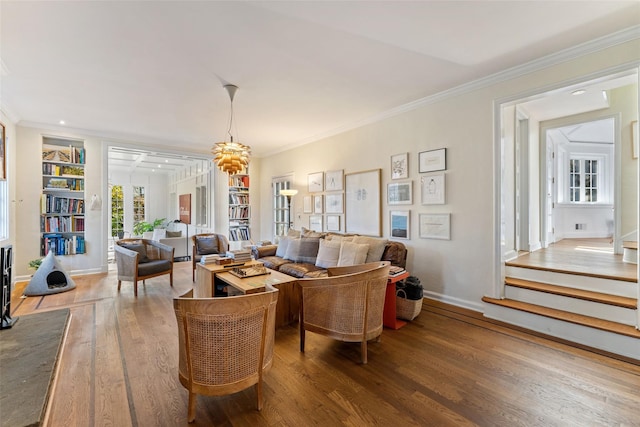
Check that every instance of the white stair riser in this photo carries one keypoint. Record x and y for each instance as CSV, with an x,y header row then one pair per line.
x,y
630,255
607,341
595,284
622,315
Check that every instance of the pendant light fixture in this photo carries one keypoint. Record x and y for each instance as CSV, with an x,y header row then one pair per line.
x,y
231,157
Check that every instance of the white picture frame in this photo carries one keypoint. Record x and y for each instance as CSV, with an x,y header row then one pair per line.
x,y
400,166
317,204
315,223
307,207
334,203
363,203
432,160
334,180
333,222
400,193
435,226
315,182
433,189
400,225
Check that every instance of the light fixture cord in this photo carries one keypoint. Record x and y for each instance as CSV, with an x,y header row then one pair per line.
x,y
230,121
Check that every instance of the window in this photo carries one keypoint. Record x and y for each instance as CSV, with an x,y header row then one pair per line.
x,y
138,204
117,211
584,179
281,211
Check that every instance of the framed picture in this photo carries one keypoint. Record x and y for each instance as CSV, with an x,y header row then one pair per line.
x,y
400,224
333,222
306,204
334,180
317,204
431,161
363,203
435,226
400,166
433,189
399,193
334,203
185,208
315,223
3,153
315,181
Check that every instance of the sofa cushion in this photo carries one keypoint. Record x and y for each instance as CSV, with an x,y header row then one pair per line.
x,y
310,233
308,250
174,233
154,267
396,253
376,247
298,269
274,262
207,245
283,244
328,253
293,233
138,247
293,250
352,253
159,233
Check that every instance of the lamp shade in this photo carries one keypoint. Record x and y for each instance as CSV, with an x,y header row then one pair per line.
x,y
231,157
288,192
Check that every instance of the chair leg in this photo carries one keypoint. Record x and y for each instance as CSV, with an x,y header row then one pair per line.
x,y
259,394
119,285
171,278
363,351
135,288
191,416
301,339
193,273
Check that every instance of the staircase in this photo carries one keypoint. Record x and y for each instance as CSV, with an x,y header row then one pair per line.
x,y
571,306
630,252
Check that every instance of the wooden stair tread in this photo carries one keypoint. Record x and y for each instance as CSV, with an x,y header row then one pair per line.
x,y
579,319
630,244
599,297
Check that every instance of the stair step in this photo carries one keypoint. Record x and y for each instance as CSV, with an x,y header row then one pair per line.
x,y
599,297
579,319
629,244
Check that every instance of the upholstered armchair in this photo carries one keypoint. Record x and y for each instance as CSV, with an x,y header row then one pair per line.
x,y
207,244
347,305
141,259
225,344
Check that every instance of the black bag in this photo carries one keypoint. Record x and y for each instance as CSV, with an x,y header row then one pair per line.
x,y
411,287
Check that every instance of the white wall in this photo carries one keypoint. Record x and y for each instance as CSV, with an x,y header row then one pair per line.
x,y
461,270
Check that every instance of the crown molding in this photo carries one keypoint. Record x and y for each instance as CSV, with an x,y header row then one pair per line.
x,y
592,46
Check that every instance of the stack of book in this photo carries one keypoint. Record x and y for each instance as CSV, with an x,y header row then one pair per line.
x,y
242,255
209,259
396,271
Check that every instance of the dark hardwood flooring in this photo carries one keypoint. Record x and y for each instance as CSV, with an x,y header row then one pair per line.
x,y
591,257
449,367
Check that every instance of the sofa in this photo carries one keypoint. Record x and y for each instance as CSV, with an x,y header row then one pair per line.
x,y
307,254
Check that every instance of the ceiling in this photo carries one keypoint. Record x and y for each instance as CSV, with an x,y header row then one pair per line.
x,y
152,72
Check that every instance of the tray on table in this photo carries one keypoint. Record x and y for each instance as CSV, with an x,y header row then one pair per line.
x,y
249,271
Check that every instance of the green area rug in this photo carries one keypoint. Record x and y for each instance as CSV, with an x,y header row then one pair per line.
x,y
28,357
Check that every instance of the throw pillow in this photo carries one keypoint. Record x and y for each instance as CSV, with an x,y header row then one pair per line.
x,y
159,233
352,253
293,233
308,250
140,248
328,253
293,250
283,244
376,247
310,233
174,233
207,245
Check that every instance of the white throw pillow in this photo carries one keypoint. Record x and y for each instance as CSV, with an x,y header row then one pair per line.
x,y
283,244
352,254
293,250
376,247
328,254
159,233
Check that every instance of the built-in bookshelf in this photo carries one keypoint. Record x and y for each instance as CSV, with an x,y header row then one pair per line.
x,y
62,202
239,208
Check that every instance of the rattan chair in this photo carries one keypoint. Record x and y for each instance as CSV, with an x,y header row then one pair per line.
x,y
226,344
347,305
205,244
141,259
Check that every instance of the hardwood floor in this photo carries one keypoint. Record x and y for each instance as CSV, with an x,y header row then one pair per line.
x,y
589,257
449,367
